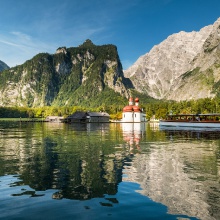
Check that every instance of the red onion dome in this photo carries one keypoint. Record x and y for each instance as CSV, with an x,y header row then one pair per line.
x,y
136,100
130,99
136,108
128,108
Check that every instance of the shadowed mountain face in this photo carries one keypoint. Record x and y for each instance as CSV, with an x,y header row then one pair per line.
x,y
72,76
3,66
184,66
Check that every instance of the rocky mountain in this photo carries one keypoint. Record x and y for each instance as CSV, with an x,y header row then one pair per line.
x,y
84,75
3,66
182,67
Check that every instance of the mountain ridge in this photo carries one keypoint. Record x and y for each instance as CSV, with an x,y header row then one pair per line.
x,y
71,76
3,66
185,66
161,72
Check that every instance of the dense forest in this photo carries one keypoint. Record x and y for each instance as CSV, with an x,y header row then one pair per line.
x,y
156,108
78,76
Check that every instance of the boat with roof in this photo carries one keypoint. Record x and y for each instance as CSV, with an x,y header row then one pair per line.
x,y
210,120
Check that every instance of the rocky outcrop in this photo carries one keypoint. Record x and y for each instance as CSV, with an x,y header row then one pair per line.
x,y
71,76
184,66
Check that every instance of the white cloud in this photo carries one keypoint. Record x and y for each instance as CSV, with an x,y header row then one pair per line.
x,y
17,47
21,36
8,43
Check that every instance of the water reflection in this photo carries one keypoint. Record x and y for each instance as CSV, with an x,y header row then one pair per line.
x,y
132,134
181,172
89,126
190,132
73,160
176,169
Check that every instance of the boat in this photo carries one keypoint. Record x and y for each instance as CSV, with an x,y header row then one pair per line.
x,y
210,120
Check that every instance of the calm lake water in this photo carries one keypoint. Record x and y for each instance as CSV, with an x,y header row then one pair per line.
x,y
108,171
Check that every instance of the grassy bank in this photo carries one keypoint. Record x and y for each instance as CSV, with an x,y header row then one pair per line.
x,y
22,119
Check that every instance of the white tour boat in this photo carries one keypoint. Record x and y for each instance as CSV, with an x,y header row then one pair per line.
x,y
211,120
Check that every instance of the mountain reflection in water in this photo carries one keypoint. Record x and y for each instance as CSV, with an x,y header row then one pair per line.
x,y
183,173
81,166
178,170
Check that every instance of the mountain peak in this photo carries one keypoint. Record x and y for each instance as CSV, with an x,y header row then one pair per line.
x,y
61,50
87,43
168,70
83,75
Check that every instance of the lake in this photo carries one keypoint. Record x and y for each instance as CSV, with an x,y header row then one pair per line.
x,y
108,171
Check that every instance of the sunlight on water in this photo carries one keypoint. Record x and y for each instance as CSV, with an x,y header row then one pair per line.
x,y
101,171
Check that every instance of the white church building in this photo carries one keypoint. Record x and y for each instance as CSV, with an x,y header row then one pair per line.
x,y
132,112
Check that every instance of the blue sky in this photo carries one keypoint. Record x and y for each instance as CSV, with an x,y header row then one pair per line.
x,y
29,27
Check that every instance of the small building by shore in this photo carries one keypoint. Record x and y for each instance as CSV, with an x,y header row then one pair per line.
x,y
56,119
80,117
77,117
98,117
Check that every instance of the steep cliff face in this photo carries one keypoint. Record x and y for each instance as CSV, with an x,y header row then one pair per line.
x,y
3,66
184,66
72,76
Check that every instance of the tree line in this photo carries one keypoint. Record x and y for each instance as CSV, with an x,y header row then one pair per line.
x,y
159,109
200,106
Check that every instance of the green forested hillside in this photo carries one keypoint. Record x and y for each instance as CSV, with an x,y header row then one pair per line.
x,y
156,108
3,66
88,78
84,76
